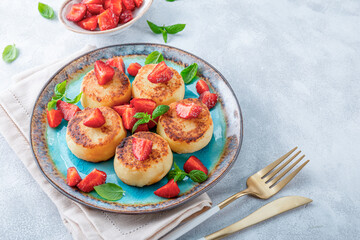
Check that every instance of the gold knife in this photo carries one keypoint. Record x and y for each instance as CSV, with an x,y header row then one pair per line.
x,y
269,210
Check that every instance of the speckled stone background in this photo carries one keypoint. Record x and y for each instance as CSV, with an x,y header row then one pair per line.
x,y
295,67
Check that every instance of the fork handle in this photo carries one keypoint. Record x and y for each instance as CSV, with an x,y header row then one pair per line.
x,y
233,198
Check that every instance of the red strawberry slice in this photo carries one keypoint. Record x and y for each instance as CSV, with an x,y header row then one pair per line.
x,y
141,148
107,4
92,2
188,111
93,179
201,86
142,128
89,23
193,163
116,62
72,177
138,3
67,109
107,20
161,73
143,105
121,109
103,72
77,12
116,6
95,119
209,99
129,4
88,14
125,16
95,8
133,69
128,118
169,190
54,117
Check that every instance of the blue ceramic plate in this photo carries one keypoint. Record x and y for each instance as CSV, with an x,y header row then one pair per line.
x,y
54,157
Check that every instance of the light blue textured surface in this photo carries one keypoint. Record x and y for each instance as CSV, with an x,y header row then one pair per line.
x,y
295,68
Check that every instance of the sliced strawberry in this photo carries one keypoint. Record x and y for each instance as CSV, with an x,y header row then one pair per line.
x,y
142,128
129,4
193,163
103,72
188,111
67,109
88,14
89,23
92,2
117,62
72,177
77,12
107,20
141,148
143,105
125,16
95,8
138,2
107,4
201,86
209,99
169,190
95,119
161,73
121,109
93,179
128,118
116,6
133,69
54,117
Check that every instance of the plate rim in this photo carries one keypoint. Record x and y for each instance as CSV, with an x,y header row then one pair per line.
x,y
154,210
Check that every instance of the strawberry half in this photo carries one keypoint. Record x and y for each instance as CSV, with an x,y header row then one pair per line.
x,y
89,23
209,99
54,117
201,86
143,105
141,148
133,69
116,6
169,190
67,109
193,163
138,3
129,4
128,118
125,16
121,109
92,2
72,177
77,12
188,111
95,8
95,119
116,62
161,73
107,4
93,179
104,73
142,128
107,20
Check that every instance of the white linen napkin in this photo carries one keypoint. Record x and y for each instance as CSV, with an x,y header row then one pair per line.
x,y
16,104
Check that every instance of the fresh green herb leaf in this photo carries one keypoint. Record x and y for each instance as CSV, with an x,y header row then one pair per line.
x,y
46,11
171,174
176,167
139,122
110,191
139,115
177,174
198,176
160,110
173,29
10,53
180,176
189,73
59,90
164,33
75,100
170,0
155,28
154,58
51,104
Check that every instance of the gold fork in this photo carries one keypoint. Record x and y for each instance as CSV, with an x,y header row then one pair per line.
x,y
263,184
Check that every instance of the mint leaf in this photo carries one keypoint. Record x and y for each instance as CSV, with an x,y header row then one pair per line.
x,y
164,33
52,104
198,176
189,73
160,110
75,100
110,191
139,122
170,0
59,90
10,53
155,28
139,115
154,58
177,174
173,29
45,10
180,176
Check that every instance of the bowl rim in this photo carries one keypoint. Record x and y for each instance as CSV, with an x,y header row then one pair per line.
x,y
153,210
97,32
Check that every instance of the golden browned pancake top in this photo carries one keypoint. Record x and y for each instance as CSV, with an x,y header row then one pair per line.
x,y
91,137
124,152
118,86
186,130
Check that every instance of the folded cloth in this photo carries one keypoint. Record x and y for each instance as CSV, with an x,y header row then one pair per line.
x,y
16,104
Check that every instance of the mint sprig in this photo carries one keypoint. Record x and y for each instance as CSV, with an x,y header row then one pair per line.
x,y
154,58
145,117
10,53
60,93
178,175
189,73
165,30
110,191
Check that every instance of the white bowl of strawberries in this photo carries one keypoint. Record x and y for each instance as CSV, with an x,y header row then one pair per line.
x,y
95,17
